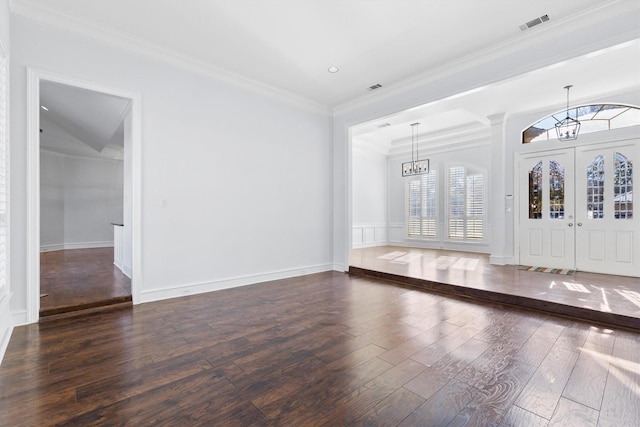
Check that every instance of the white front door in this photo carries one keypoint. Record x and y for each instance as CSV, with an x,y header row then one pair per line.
x,y
547,232
607,228
576,209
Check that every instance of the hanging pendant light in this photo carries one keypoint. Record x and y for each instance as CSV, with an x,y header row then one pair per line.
x,y
415,166
568,128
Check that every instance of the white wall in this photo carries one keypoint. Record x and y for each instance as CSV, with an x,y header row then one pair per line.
x,y
369,177
6,325
79,199
246,177
52,190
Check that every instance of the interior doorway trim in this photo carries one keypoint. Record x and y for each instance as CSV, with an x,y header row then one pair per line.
x,y
34,77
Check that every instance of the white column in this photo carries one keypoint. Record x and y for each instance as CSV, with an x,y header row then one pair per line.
x,y
497,192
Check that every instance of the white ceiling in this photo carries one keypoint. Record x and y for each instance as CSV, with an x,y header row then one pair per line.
x,y
81,122
463,118
288,45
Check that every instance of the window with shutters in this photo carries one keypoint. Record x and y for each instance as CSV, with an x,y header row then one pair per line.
x,y
466,204
423,210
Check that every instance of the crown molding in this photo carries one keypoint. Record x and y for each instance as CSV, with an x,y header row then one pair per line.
x,y
50,16
552,32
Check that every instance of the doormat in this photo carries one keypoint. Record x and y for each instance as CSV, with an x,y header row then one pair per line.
x,y
547,270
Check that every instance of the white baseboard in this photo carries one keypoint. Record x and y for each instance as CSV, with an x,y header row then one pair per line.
x,y
81,245
216,285
20,318
123,268
501,260
340,267
126,270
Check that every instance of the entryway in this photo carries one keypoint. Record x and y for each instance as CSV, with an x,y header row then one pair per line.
x,y
576,208
132,190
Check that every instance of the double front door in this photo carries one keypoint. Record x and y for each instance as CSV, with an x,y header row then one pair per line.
x,y
577,211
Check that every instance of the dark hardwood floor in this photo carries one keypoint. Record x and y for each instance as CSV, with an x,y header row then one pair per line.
x,y
325,349
80,279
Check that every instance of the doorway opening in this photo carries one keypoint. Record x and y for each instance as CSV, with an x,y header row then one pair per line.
x,y
82,157
576,208
83,184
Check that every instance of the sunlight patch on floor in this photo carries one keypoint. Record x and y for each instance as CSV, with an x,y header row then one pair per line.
x,y
631,296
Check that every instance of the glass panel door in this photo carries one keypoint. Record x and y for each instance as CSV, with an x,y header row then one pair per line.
x,y
607,228
546,210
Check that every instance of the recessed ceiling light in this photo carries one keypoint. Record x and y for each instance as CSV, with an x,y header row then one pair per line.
x,y
44,108
333,69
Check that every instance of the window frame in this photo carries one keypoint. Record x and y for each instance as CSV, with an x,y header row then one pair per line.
x,y
433,174
468,170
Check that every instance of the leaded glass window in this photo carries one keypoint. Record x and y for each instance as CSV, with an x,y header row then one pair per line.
x,y
535,192
593,118
556,190
595,188
622,187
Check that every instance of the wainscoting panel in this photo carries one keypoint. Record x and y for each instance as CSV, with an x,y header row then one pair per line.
x,y
369,235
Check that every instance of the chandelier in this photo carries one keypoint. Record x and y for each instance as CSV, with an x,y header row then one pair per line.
x,y
415,166
568,128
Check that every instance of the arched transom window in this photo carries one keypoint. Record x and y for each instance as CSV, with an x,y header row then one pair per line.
x,y
593,118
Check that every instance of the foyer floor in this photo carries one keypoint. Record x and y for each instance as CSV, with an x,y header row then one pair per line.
x,y
80,279
596,297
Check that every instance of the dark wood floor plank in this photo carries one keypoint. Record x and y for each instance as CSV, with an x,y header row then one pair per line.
x,y
570,413
324,349
621,400
356,404
439,349
322,395
589,377
392,410
408,348
498,393
428,383
518,417
443,406
542,393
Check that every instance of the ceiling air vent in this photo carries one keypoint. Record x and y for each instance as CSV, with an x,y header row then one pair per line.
x,y
534,22
375,86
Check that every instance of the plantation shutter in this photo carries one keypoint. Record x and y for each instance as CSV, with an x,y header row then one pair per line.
x,y
475,207
414,208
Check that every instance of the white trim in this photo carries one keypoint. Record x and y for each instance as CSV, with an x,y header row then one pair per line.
x,y
340,267
20,318
369,235
126,271
34,77
79,245
232,282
